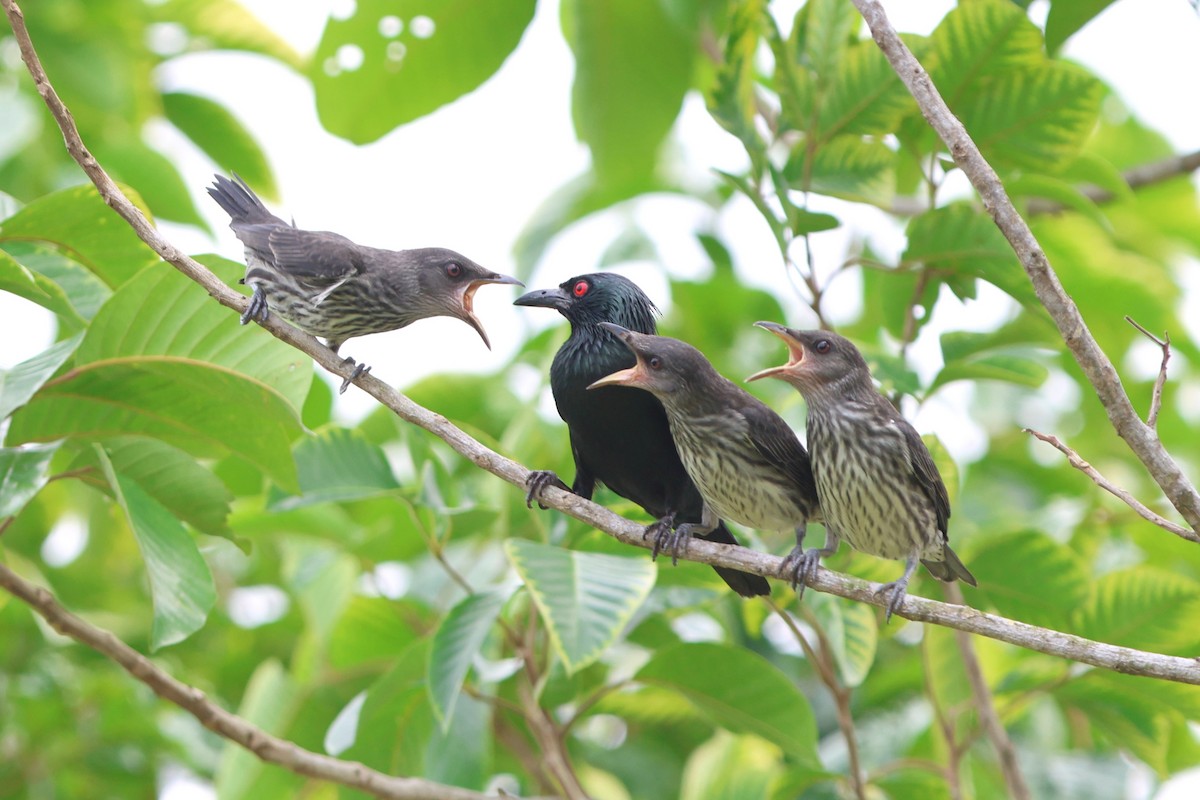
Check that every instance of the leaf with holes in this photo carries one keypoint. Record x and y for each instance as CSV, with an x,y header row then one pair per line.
x,y
585,599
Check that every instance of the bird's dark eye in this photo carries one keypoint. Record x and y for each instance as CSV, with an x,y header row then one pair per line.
x,y
823,346
580,289
655,362
454,269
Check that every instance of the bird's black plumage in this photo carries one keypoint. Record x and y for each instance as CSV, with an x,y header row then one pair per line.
x,y
878,484
746,462
328,286
620,437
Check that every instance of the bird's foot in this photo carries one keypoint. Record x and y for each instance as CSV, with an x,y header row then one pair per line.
x,y
359,371
799,567
674,541
538,480
257,307
658,531
896,591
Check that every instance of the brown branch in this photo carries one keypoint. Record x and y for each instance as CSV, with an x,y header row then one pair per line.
x,y
232,727
1104,483
1141,438
550,740
985,706
1161,381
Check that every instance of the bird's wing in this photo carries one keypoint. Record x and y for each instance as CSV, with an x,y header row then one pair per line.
x,y
926,473
318,256
778,444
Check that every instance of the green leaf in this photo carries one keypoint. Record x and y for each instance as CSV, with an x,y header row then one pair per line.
x,y
395,721
980,40
180,582
994,367
1068,16
393,61
629,54
223,138
371,628
205,410
853,634
336,464
84,291
822,32
731,768
740,691
585,599
1028,576
269,702
1126,719
865,96
132,161
1141,607
160,312
21,382
17,279
79,222
731,98
457,640
228,25
23,473
849,167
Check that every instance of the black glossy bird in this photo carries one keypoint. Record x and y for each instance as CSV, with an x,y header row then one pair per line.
x,y
327,285
879,487
620,437
746,461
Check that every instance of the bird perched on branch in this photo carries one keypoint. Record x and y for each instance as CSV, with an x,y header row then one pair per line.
x,y
620,437
747,463
879,487
328,286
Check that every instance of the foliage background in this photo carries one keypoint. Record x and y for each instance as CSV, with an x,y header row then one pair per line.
x,y
288,561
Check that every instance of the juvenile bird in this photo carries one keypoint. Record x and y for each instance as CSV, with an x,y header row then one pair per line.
x,y
620,437
328,286
879,487
747,463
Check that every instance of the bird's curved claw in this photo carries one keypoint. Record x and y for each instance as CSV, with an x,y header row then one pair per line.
x,y
257,307
659,531
538,480
674,541
799,567
897,590
359,370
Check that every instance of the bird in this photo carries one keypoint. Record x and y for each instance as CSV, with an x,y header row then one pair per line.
x,y
878,485
328,286
747,463
619,437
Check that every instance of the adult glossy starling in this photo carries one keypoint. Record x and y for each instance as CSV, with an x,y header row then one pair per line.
x,y
620,437
879,487
327,285
747,463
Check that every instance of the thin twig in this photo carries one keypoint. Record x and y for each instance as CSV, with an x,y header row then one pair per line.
x,y
1104,483
1100,372
550,739
1161,381
985,707
945,726
230,726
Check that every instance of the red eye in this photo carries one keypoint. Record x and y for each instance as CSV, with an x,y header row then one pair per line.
x,y
454,269
581,289
823,346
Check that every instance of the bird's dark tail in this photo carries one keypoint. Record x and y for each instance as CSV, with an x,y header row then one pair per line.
x,y
240,203
950,569
743,583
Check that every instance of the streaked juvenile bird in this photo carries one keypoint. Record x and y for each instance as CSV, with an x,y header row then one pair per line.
x,y
745,460
879,487
328,286
620,437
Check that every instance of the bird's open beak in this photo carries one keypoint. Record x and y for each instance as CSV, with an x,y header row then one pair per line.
x,y
625,377
554,298
795,351
468,302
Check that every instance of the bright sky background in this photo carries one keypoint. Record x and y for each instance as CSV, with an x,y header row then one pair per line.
x,y
470,175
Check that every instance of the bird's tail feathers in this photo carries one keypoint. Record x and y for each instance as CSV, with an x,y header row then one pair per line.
x,y
951,569
744,583
238,201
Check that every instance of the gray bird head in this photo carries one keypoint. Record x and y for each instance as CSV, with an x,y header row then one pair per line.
x,y
450,281
664,366
820,363
595,298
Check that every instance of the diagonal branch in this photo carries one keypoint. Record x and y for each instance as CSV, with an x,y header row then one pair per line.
x,y
267,747
1141,438
1164,344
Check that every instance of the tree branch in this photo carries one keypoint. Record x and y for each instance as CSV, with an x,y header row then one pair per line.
x,y
1141,438
1161,381
267,747
1104,483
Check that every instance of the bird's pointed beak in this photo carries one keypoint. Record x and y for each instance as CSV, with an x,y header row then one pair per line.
x,y
795,351
554,298
625,377
467,301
